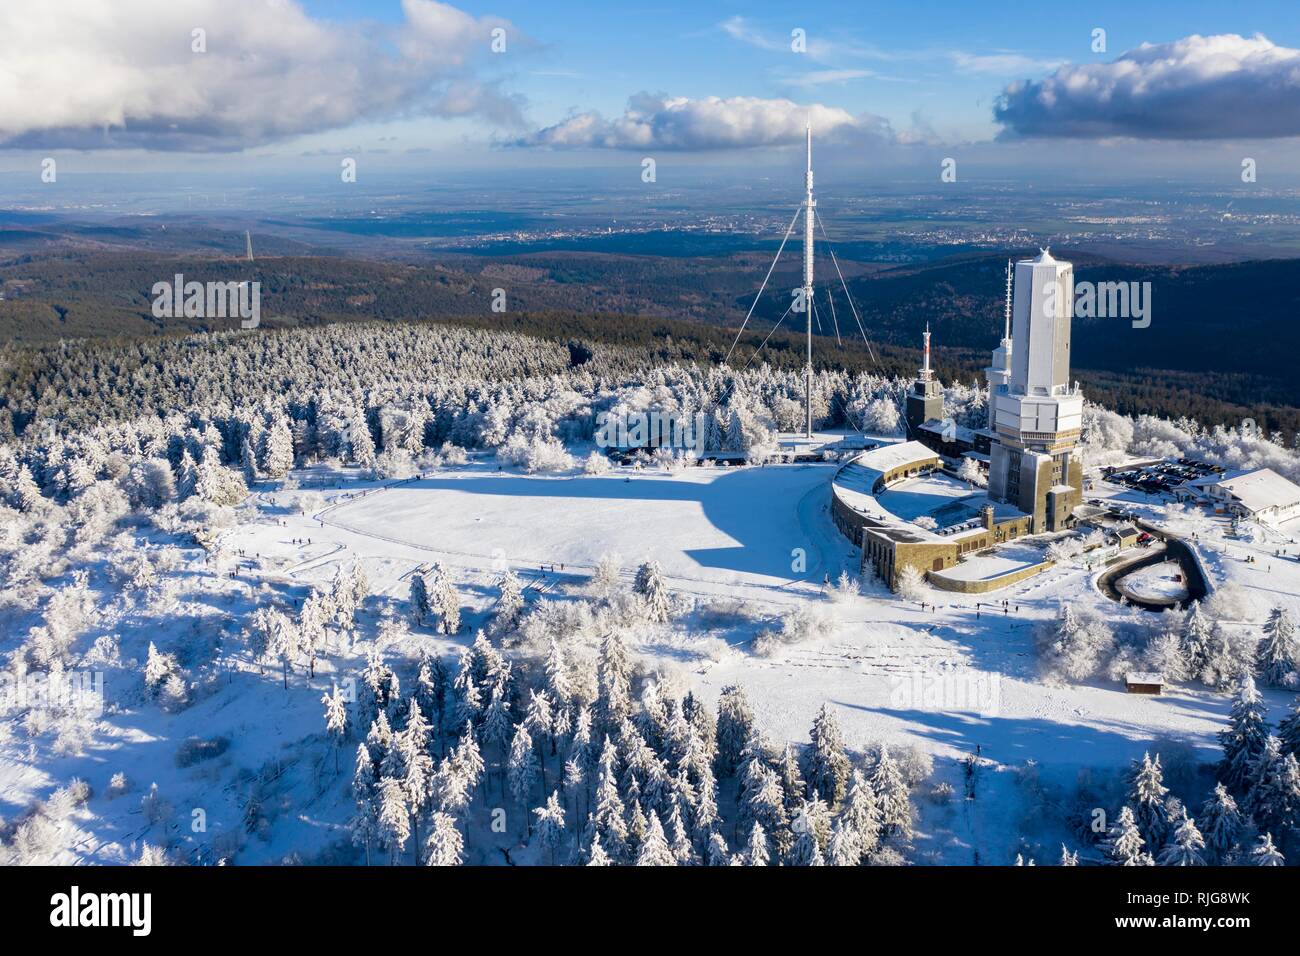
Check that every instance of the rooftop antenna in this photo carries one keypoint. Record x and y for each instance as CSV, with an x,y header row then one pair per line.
x,y
248,243
810,204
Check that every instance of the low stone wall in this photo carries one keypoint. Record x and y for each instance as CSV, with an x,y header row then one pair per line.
x,y
944,583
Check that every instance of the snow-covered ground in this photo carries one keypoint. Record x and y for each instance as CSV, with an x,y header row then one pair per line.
x,y
1159,582
737,545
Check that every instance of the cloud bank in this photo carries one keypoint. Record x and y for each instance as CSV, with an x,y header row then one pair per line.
x,y
85,74
1196,88
656,121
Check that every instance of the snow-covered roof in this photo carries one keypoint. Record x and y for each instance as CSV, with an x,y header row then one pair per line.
x,y
1258,490
888,457
960,432
1144,677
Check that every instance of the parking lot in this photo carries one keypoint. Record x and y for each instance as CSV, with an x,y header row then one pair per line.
x,y
1159,478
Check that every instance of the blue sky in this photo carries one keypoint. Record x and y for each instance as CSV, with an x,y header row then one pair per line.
x,y
283,82
943,61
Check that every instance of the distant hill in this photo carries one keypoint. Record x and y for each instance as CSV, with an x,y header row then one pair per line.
x,y
1220,346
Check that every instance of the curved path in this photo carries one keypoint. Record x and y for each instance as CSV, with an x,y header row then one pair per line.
x,y
1175,549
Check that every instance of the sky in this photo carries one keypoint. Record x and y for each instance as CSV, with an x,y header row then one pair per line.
x,y
243,86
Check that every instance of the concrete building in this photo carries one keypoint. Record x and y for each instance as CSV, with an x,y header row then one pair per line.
x,y
1261,495
889,542
1034,461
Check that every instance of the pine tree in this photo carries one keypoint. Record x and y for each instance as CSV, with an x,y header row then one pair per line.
x,y
510,603
845,846
394,819
861,813
1244,738
1068,858
1147,792
1186,845
445,846
655,600
550,824
1278,657
891,798
608,818
717,852
336,721
1266,854
1288,730
614,703
1273,789
558,685
757,853
1198,634
828,764
421,601
654,850
522,767
365,823
805,851
1124,842
444,601
1222,823
597,857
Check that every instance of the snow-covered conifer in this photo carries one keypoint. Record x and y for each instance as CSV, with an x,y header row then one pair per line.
x,y
828,764
1185,846
445,846
1244,738
654,849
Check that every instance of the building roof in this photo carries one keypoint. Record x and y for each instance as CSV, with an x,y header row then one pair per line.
x,y
1144,677
1257,490
888,457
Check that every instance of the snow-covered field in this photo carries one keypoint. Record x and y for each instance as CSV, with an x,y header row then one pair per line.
x,y
738,547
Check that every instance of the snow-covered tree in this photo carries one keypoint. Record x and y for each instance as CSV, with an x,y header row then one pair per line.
x,y
1222,823
656,602
1266,854
523,769
1185,846
828,764
549,828
1124,843
1278,657
336,721
1147,792
445,846
910,584
1244,738
892,799
654,849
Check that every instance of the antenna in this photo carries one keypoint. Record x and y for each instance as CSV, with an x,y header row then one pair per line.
x,y
810,205
248,241
1006,332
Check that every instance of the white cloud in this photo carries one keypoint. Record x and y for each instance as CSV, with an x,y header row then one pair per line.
x,y
1216,87
90,74
678,123
1001,63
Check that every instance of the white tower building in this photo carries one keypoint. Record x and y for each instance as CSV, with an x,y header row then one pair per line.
x,y
1037,417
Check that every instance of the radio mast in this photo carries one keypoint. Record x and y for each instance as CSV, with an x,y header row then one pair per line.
x,y
248,244
810,205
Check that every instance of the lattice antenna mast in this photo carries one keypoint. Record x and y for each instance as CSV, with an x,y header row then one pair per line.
x,y
810,205
248,244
